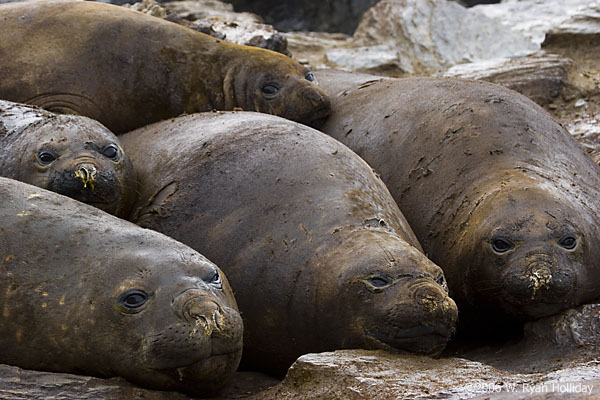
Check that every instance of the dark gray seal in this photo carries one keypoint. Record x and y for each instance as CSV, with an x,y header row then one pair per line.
x,y
498,193
71,155
317,252
127,69
85,292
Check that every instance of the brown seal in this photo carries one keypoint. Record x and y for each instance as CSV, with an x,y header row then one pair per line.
x,y
127,69
85,292
71,155
498,193
317,252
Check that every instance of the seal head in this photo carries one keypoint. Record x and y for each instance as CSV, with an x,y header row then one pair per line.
x,y
76,157
527,258
272,83
103,297
400,298
189,331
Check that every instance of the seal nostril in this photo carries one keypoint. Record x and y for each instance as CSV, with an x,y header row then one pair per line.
x,y
87,174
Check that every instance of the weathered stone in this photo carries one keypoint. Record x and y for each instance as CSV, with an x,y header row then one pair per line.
x,y
218,19
534,18
541,77
427,36
308,15
578,327
361,374
586,129
192,10
577,37
149,7
311,47
17,383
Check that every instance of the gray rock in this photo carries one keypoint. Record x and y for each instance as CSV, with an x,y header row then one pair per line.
x,y
216,18
534,18
577,37
541,77
308,15
361,374
579,327
17,383
397,37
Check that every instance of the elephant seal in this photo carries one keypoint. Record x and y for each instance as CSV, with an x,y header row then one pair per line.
x,y
127,69
71,155
498,193
317,252
85,292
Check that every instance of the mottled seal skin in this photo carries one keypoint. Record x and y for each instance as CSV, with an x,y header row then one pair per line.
x,y
71,155
499,194
317,252
85,292
127,69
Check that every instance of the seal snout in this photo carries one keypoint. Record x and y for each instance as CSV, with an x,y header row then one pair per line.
x,y
204,314
539,284
87,174
436,306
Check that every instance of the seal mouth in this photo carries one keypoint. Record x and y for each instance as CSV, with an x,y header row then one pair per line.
x,y
203,377
418,339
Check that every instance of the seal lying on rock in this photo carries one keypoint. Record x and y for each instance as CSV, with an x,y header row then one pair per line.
x,y
498,193
127,69
317,252
86,292
71,155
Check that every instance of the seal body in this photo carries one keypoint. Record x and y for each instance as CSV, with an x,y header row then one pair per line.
x,y
499,194
71,155
86,292
317,252
127,69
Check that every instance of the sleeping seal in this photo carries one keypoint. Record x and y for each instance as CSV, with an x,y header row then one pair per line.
x,y
127,69
317,252
71,155
498,193
85,292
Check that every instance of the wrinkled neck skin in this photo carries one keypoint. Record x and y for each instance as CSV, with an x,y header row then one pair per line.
x,y
522,252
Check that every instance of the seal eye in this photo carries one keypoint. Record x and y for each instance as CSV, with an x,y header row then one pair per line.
x,y
111,151
568,242
270,90
132,300
378,281
46,157
216,280
501,245
310,77
441,280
